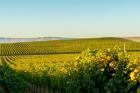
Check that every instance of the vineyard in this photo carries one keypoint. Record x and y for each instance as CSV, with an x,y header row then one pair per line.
x,y
65,46
70,66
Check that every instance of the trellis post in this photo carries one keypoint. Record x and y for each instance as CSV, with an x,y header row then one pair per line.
x,y
124,47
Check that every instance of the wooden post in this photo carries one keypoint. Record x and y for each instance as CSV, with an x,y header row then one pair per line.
x,y
124,48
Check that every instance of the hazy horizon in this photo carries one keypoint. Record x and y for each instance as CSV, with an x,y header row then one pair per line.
x,y
67,37
69,18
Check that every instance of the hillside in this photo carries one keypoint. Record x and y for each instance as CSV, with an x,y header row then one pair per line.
x,y
65,46
137,39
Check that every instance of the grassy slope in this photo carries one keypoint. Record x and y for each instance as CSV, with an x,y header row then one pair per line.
x,y
65,46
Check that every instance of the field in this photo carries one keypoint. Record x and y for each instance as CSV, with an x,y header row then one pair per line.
x,y
57,58
58,52
66,46
136,54
27,62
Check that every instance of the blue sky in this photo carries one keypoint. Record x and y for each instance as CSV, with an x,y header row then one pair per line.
x,y
69,18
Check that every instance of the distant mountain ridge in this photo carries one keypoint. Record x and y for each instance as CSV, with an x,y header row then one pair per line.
x,y
12,40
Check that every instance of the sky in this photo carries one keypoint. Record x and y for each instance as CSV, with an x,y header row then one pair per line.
x,y
69,18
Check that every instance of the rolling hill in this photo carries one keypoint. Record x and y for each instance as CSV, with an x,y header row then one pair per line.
x,y
66,46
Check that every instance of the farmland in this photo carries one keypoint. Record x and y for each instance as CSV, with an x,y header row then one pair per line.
x,y
62,65
66,46
27,62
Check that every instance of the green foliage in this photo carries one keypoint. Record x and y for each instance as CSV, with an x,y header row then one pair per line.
x,y
98,71
11,81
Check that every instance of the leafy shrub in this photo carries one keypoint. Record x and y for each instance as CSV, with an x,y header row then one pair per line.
x,y
101,72
11,81
104,71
